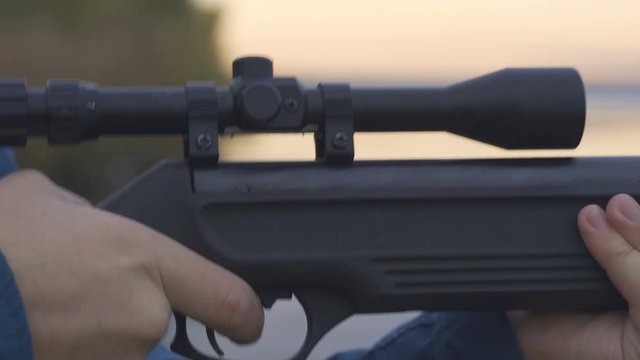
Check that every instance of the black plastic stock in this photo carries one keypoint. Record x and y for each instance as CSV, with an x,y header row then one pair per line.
x,y
393,236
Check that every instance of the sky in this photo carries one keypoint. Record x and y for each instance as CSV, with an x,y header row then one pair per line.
x,y
436,43
418,41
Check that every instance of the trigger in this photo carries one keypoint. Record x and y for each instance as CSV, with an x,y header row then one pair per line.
x,y
211,335
269,297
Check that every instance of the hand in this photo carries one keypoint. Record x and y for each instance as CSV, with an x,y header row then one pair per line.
x,y
613,238
99,286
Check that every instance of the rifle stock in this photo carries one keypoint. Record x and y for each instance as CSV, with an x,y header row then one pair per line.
x,y
393,236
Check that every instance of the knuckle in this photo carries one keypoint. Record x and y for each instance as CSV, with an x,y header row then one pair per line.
x,y
34,176
619,254
127,240
72,198
632,231
29,175
235,306
136,240
156,321
36,181
134,231
147,323
123,229
140,241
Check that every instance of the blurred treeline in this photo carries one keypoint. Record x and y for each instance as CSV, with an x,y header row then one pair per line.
x,y
112,42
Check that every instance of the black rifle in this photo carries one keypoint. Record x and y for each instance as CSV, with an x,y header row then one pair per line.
x,y
358,237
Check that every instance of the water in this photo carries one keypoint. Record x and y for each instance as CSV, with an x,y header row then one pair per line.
x,y
612,129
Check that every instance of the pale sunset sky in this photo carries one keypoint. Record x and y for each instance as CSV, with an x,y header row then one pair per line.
x,y
434,41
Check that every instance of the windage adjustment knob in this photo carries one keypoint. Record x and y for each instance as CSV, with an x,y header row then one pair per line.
x,y
259,103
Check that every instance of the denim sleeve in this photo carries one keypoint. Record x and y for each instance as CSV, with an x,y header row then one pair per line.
x,y
162,353
446,336
7,162
15,339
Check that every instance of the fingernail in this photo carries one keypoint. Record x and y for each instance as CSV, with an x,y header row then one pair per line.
x,y
597,220
631,210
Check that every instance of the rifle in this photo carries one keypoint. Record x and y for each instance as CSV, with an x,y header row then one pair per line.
x,y
367,236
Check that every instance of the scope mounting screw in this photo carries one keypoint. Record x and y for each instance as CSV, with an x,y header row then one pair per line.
x,y
290,104
204,141
340,140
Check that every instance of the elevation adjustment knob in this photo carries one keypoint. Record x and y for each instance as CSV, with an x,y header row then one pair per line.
x,y
254,66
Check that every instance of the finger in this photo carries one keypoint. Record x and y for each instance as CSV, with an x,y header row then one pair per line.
x,y
623,213
209,293
615,254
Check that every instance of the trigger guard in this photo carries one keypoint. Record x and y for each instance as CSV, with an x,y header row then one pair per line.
x,y
324,310
181,344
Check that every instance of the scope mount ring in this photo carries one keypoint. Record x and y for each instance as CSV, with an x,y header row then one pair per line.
x,y
334,138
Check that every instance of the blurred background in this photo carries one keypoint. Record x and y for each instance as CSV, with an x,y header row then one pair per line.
x,y
401,42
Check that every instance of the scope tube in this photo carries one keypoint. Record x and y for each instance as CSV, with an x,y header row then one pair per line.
x,y
400,109
512,109
140,110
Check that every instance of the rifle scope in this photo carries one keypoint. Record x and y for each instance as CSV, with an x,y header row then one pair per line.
x,y
540,108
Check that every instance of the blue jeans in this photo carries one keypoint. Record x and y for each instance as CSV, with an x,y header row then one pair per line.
x,y
446,336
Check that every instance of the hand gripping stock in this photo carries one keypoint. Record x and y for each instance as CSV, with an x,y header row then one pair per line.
x,y
163,199
350,237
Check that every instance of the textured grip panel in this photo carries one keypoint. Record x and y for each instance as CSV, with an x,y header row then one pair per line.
x,y
495,235
413,274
